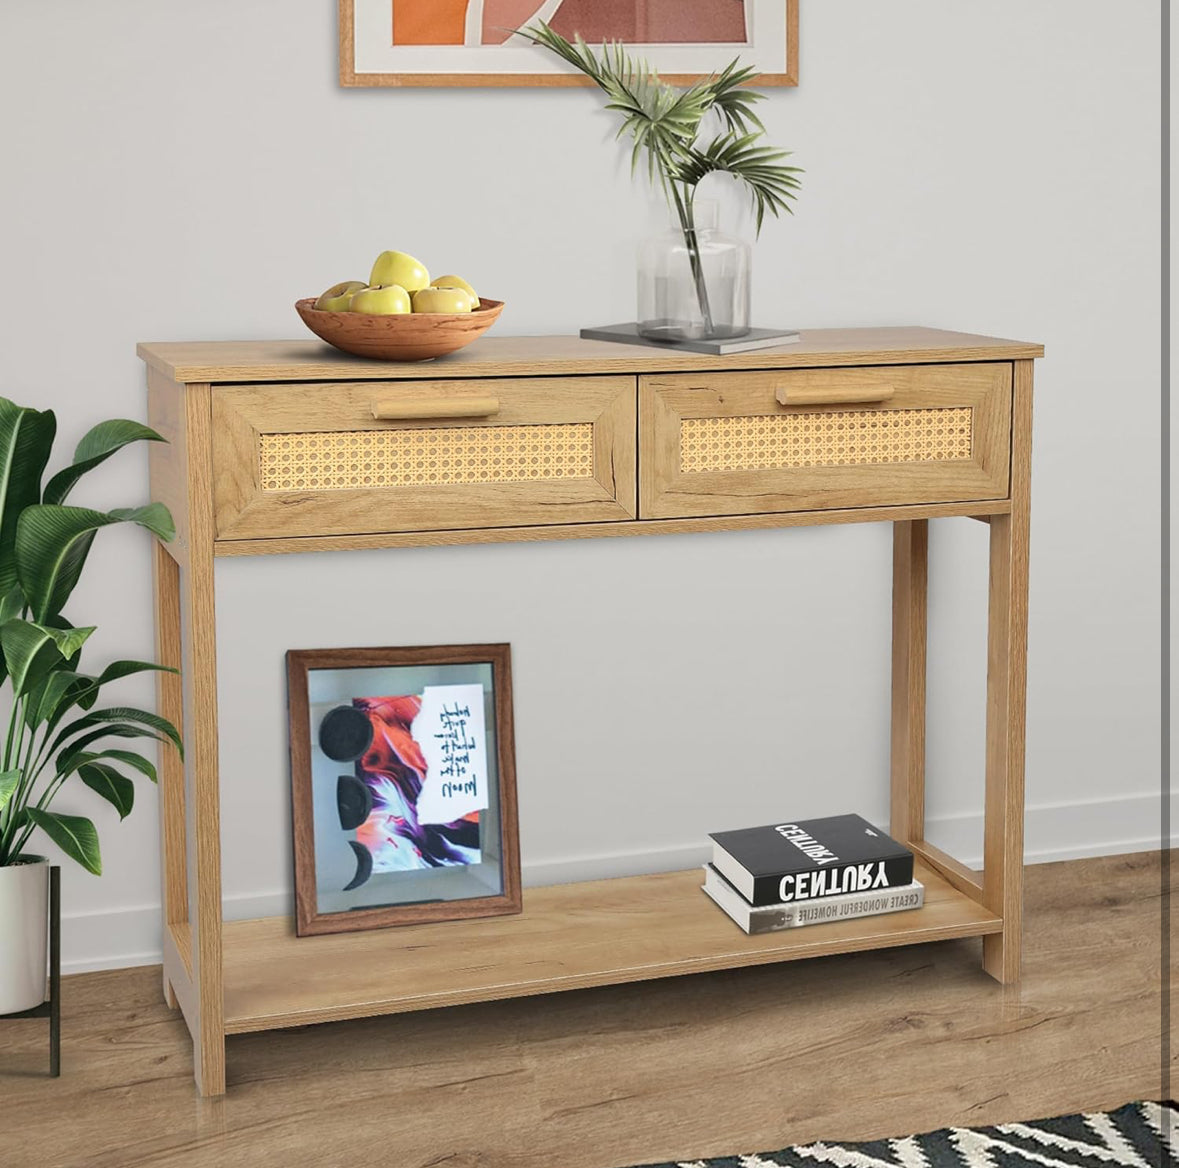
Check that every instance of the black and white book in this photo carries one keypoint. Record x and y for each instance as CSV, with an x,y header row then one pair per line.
x,y
769,918
784,862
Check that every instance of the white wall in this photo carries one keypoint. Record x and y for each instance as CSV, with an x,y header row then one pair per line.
x,y
187,171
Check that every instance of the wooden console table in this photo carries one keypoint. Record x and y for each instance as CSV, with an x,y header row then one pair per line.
x,y
289,447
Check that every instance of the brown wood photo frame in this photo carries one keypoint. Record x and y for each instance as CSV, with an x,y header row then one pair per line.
x,y
428,816
454,43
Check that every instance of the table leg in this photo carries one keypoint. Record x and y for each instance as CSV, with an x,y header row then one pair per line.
x,y
173,846
910,557
206,1014
1006,699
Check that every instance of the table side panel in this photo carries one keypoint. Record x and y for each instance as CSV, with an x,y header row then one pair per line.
x,y
168,460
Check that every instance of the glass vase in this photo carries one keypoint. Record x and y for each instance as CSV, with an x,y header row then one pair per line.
x,y
693,283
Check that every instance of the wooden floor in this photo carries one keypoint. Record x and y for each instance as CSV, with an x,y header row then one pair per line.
x,y
850,1047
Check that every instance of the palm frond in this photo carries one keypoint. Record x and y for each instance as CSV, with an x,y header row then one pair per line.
x,y
733,100
771,184
577,54
664,123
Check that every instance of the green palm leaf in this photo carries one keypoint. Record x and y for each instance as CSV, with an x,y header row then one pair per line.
x,y
113,672
129,757
75,836
69,756
26,439
108,721
771,184
56,693
31,651
665,124
733,100
96,447
52,543
116,789
9,782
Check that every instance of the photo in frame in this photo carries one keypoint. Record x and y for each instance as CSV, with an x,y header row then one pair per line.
x,y
471,42
403,786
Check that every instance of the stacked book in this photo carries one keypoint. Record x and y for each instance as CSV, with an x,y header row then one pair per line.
x,y
785,875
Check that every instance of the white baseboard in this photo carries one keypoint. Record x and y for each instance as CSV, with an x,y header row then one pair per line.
x,y
123,937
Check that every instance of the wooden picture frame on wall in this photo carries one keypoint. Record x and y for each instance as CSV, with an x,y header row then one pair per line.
x,y
403,785
404,43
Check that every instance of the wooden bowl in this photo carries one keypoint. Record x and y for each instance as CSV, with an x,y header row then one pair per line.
x,y
411,336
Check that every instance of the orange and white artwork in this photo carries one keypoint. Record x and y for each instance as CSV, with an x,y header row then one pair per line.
x,y
473,42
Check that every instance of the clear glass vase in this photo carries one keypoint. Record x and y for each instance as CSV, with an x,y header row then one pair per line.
x,y
694,283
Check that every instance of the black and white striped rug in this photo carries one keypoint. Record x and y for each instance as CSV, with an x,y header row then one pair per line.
x,y
1140,1135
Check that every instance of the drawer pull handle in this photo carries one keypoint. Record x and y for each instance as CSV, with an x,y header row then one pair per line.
x,y
833,395
423,408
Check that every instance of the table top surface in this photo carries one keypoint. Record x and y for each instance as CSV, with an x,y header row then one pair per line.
x,y
507,356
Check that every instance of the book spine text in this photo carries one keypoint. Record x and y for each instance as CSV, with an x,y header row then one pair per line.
x,y
872,876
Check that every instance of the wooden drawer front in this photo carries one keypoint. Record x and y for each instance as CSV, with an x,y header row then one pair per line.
x,y
726,444
344,459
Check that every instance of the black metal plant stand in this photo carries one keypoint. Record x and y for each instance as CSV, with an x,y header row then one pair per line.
x,y
51,1009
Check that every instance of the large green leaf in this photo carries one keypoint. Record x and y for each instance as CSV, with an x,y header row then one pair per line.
x,y
52,543
74,757
69,640
75,835
120,722
12,605
116,670
116,789
67,759
56,693
141,764
96,447
121,714
12,839
26,439
9,781
31,651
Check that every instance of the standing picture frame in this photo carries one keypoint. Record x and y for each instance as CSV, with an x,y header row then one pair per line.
x,y
448,43
403,786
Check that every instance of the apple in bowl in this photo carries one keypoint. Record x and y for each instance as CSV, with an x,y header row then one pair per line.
x,y
381,300
442,300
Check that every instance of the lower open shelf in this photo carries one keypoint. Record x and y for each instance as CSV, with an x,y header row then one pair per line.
x,y
569,936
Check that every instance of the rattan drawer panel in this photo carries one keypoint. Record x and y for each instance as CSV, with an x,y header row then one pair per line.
x,y
725,444
293,460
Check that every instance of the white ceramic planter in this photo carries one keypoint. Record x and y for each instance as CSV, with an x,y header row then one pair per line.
x,y
24,934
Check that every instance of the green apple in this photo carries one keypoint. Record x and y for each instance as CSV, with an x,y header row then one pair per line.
x,y
383,300
457,282
336,298
441,300
395,267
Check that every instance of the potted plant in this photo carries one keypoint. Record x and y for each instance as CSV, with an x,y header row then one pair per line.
x,y
697,284
54,741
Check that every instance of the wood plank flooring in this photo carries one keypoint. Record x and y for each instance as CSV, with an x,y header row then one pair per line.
x,y
850,1047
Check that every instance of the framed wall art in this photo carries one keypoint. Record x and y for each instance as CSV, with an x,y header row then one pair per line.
x,y
403,785
471,42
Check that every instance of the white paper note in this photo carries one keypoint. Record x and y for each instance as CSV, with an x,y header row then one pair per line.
x,y
450,731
